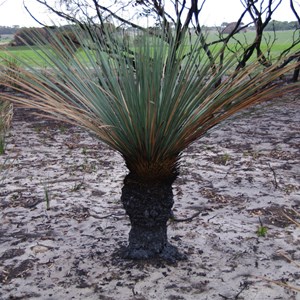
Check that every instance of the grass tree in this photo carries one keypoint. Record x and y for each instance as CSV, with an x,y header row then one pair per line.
x,y
148,103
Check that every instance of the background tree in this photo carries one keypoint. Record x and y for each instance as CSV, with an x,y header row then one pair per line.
x,y
8,29
149,111
279,25
24,36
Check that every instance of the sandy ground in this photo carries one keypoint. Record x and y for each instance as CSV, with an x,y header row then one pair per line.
x,y
243,172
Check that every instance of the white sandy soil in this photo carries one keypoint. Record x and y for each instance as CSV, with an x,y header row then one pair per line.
x,y
245,172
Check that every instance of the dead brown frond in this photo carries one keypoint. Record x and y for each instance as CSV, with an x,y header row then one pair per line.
x,y
6,114
291,219
288,258
280,283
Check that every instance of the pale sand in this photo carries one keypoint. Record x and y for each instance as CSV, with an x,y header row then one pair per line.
x,y
246,169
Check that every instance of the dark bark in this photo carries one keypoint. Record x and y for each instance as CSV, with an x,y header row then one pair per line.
x,y
296,73
149,207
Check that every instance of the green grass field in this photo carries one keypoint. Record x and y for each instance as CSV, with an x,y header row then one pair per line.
x,y
22,53
283,41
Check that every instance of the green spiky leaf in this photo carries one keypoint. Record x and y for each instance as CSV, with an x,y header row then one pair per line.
x,y
148,102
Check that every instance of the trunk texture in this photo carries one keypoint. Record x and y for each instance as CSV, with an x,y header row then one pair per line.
x,y
149,207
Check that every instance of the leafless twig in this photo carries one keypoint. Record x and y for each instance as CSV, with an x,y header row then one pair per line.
x,y
275,177
187,219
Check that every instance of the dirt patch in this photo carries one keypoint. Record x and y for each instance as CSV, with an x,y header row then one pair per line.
x,y
62,220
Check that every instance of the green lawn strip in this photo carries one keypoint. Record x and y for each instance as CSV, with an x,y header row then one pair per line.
x,y
283,41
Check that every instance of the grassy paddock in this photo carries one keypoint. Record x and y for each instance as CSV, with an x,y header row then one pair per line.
x,y
6,38
24,53
283,41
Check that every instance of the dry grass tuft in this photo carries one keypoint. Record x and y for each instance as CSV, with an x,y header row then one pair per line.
x,y
6,114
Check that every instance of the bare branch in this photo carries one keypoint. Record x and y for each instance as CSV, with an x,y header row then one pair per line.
x,y
3,2
32,16
294,11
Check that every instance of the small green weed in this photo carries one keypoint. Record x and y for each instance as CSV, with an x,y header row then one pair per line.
x,y
38,129
84,151
261,230
223,159
2,144
47,198
62,129
226,158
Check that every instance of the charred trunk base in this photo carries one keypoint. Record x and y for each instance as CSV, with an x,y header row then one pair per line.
x,y
149,207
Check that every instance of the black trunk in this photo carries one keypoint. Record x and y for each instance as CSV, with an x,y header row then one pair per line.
x,y
149,207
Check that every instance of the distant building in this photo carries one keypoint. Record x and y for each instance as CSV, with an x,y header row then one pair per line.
x,y
229,27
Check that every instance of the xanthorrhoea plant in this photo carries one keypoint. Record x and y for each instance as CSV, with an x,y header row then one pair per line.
x,y
148,103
